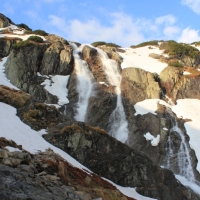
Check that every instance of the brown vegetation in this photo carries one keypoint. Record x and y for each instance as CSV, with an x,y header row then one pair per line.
x,y
15,98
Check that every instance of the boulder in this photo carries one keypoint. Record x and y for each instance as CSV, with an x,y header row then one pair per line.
x,y
138,85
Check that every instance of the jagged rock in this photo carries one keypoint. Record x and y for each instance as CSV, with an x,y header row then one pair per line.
x,y
4,21
179,86
24,63
54,38
138,85
57,59
101,106
116,161
5,46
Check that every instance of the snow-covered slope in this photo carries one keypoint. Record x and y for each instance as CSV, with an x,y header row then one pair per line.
x,y
139,58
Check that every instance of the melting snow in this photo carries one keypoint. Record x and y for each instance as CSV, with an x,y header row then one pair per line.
x,y
139,58
12,149
154,140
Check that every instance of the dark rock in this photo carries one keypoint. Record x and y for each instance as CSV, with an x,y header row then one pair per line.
x,y
6,46
116,161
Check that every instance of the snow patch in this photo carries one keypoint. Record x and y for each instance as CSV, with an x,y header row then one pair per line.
x,y
58,87
154,140
12,149
139,58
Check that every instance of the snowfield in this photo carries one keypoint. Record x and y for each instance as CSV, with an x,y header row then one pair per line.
x,y
139,58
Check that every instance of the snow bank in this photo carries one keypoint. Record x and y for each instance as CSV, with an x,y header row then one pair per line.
x,y
148,106
12,149
139,58
58,86
23,37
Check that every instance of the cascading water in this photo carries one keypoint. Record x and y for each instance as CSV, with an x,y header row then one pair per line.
x,y
183,156
117,120
84,83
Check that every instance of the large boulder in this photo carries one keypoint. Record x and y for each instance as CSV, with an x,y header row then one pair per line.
x,y
116,161
138,85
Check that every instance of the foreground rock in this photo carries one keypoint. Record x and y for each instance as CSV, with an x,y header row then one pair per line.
x,y
47,176
116,161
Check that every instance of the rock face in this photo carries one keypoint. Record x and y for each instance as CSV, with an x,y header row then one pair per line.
x,y
4,21
179,86
47,176
23,65
138,85
91,56
5,46
116,161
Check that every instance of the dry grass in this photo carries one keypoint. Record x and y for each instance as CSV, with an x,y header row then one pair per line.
x,y
194,72
13,97
97,129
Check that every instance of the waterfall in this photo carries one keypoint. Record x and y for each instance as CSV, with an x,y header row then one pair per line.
x,y
84,83
117,120
183,156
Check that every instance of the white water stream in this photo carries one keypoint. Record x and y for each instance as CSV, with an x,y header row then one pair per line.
x,y
117,120
183,156
84,83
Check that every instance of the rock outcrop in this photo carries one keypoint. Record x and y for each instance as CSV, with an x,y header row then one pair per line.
x,y
176,85
47,176
4,21
116,161
6,46
23,65
138,85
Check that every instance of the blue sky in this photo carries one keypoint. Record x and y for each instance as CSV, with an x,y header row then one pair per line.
x,y
124,22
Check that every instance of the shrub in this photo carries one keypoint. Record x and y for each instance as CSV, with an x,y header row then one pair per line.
x,y
99,43
175,64
25,43
153,43
21,44
197,43
40,32
178,50
35,39
24,26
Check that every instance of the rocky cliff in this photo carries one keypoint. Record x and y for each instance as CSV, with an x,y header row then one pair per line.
x,y
111,101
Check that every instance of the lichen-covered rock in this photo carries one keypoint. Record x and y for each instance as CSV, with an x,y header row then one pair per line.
x,y
138,85
116,161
